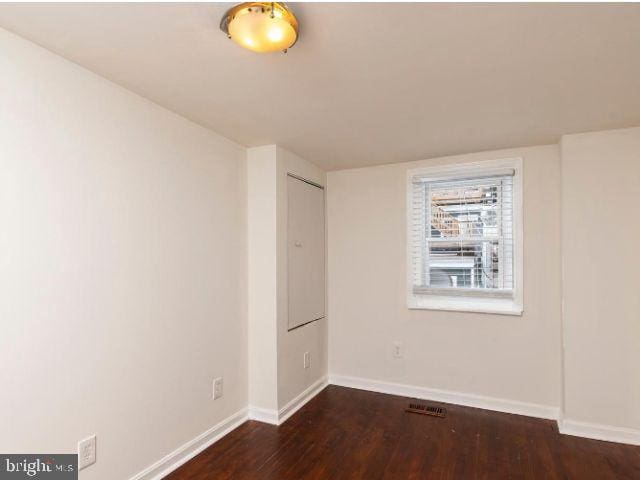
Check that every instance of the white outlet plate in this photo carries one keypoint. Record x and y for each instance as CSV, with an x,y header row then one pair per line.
x,y
218,388
307,359
398,350
86,452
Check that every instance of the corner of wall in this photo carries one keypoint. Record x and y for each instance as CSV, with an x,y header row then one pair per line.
x,y
262,277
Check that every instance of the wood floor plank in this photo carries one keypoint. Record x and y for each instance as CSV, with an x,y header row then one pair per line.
x,y
348,434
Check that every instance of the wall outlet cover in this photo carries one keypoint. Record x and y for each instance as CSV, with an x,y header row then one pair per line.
x,y
86,452
307,359
218,388
398,350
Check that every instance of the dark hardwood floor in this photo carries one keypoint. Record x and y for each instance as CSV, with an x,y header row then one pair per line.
x,y
351,434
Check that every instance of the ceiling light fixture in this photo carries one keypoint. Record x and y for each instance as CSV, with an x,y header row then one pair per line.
x,y
261,26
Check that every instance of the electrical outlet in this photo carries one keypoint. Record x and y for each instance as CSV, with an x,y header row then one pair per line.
x,y
398,350
86,452
218,388
307,359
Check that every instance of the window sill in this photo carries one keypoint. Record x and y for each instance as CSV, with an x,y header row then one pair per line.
x,y
500,306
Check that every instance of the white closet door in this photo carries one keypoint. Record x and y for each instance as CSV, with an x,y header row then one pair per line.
x,y
305,252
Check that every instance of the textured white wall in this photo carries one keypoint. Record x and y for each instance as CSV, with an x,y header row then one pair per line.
x,y
513,358
601,268
122,267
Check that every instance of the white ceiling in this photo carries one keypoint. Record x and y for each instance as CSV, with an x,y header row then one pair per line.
x,y
367,83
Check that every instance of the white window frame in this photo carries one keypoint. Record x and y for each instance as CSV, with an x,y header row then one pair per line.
x,y
458,300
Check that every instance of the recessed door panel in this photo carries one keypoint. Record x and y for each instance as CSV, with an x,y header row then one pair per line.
x,y
305,252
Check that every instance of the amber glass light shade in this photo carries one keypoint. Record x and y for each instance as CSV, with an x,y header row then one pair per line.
x,y
261,26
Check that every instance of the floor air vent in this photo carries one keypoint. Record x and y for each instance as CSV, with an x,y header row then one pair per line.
x,y
427,410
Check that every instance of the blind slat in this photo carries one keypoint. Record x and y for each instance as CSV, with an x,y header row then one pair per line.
x,y
462,232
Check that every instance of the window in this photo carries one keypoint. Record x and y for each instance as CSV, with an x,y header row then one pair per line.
x,y
465,237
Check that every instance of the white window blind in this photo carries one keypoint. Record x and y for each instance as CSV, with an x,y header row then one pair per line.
x,y
462,234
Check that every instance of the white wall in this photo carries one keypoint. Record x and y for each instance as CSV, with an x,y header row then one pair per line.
x,y
276,370
601,268
262,277
505,357
293,378
122,267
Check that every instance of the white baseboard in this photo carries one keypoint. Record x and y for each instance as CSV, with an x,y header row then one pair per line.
x,y
568,427
263,415
596,431
300,401
193,447
465,399
278,417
